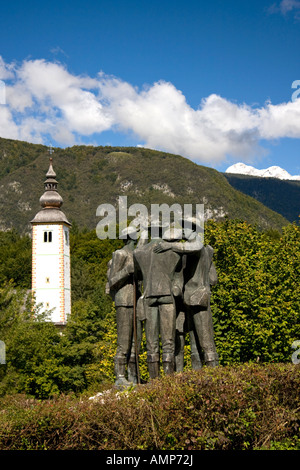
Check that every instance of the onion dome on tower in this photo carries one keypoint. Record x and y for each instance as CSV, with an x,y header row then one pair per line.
x,y
51,202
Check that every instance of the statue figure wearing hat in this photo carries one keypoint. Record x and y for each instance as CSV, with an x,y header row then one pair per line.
x,y
161,273
121,287
194,313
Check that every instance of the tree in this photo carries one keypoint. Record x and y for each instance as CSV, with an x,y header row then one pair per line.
x,y
256,302
15,259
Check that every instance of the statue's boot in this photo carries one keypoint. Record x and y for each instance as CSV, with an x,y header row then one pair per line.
x,y
179,362
211,359
168,363
120,364
132,370
196,362
153,365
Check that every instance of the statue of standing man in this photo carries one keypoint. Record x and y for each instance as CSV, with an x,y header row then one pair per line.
x,y
122,289
199,274
157,271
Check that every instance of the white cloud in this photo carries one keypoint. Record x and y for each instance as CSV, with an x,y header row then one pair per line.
x,y
8,128
56,89
289,5
45,101
5,70
18,97
278,121
285,7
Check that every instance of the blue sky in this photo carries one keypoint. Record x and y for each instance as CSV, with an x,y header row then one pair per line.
x,y
211,81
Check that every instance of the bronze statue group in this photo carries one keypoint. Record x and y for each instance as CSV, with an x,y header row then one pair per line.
x,y
162,285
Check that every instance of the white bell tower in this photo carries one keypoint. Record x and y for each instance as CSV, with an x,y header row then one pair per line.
x,y
51,277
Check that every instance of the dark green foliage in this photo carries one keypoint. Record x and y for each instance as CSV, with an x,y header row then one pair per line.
x,y
256,304
247,407
30,344
15,154
279,195
15,259
40,361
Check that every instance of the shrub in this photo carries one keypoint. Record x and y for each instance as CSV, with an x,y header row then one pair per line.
x,y
225,408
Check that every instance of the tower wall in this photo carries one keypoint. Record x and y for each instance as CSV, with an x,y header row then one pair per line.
x,y
67,271
51,269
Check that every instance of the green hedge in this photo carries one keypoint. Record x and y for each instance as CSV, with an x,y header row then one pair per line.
x,y
256,304
225,408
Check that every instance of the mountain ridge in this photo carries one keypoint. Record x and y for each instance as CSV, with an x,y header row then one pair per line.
x,y
282,196
89,176
270,172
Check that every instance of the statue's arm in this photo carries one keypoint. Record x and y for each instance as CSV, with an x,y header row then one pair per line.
x,y
119,275
213,275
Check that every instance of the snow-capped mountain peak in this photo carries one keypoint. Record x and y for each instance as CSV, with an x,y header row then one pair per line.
x,y
271,172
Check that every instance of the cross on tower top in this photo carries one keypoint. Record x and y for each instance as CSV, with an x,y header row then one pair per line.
x,y
51,151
